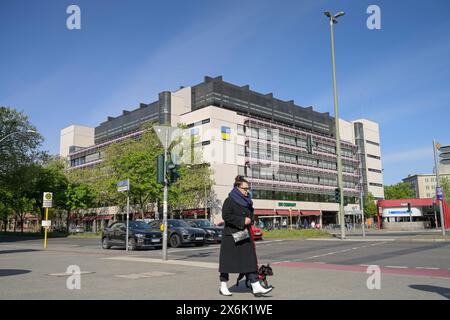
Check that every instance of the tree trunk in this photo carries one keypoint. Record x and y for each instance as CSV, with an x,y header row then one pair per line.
x,y
68,221
42,218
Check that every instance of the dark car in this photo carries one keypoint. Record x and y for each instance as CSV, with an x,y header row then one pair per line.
x,y
140,235
213,233
180,233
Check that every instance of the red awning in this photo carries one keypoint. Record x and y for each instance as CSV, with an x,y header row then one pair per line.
x,y
105,217
284,212
310,212
404,202
264,212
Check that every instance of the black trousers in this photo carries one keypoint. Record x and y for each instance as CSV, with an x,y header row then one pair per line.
x,y
252,276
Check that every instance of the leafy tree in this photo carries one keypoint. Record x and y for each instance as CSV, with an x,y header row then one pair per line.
x,y
401,190
445,184
48,177
21,147
370,208
134,160
6,199
193,188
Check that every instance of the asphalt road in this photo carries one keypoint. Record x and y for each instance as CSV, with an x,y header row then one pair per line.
x,y
304,269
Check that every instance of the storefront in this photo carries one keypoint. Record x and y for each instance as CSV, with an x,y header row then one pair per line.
x,y
408,214
283,218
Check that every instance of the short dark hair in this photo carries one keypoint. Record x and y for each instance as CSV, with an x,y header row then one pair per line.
x,y
239,180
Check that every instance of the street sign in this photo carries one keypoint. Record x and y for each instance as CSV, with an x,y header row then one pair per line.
x,y
123,185
439,193
46,223
167,134
47,200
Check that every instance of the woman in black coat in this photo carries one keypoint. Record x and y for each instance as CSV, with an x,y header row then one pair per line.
x,y
237,212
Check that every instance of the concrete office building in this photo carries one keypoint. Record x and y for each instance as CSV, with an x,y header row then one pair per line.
x,y
366,135
241,131
75,137
424,185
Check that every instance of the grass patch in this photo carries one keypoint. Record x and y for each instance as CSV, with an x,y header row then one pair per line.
x,y
295,233
86,235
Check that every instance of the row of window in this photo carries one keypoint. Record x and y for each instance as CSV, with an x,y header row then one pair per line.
x,y
298,196
374,143
293,159
267,135
375,170
280,175
375,184
373,157
198,123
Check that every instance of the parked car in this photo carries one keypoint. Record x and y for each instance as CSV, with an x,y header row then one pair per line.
x,y
213,233
140,235
255,231
77,229
181,233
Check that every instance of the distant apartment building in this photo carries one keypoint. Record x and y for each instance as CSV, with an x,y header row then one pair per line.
x,y
287,152
424,185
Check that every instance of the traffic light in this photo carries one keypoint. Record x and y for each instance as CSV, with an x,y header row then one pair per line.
x,y
160,169
309,144
174,173
337,195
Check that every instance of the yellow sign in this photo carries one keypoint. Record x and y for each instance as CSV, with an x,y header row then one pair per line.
x,y
162,227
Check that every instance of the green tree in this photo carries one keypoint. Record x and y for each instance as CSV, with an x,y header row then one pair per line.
x,y
134,160
445,184
370,208
49,177
21,148
401,190
192,189
6,200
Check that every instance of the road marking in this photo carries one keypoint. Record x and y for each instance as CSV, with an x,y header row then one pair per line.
x,y
68,274
209,265
428,268
392,270
152,274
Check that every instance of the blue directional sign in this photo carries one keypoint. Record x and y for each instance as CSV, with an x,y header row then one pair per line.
x,y
123,185
439,193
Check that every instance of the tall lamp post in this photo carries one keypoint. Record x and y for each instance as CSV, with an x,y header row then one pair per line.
x,y
333,20
16,132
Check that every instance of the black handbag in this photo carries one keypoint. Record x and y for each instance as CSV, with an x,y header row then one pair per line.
x,y
240,235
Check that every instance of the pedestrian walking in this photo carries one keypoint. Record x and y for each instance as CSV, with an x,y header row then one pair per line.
x,y
237,251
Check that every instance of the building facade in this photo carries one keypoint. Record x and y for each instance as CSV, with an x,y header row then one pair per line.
x,y
424,185
287,152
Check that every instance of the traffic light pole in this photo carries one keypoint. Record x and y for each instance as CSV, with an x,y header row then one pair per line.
x,y
438,185
165,198
338,138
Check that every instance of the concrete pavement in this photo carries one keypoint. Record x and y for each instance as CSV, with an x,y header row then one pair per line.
x,y
303,270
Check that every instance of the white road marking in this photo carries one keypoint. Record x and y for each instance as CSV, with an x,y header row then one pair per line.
x,y
152,274
396,267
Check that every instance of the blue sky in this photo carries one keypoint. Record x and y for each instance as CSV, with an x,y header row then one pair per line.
x,y
128,51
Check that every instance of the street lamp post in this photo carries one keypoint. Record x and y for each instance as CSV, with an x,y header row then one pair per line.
x,y
333,20
438,184
15,132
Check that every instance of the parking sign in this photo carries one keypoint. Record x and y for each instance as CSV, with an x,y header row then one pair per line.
x,y
47,200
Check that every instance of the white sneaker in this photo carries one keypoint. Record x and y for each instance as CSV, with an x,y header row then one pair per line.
x,y
259,290
223,290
